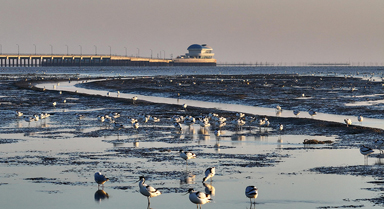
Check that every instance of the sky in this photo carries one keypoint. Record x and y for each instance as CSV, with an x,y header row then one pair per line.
x,y
279,31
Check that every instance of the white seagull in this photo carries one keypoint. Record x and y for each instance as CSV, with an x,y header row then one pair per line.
x,y
177,126
147,190
198,198
360,118
251,192
209,173
187,155
379,143
348,121
19,114
100,179
364,150
296,112
312,113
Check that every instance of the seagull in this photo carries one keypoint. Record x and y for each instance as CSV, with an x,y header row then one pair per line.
x,y
379,143
117,126
79,116
199,198
19,114
348,121
278,108
217,133
100,118
240,115
296,112
238,123
187,155
280,127
209,173
360,118
147,190
185,106
136,125
364,150
54,104
251,192
29,119
114,114
100,179
132,120
312,113
177,126
134,99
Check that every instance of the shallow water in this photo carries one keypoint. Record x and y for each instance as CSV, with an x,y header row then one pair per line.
x,y
285,185
27,181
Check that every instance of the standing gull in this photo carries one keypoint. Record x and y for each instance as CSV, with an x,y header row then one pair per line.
x,y
251,192
187,155
147,190
209,173
198,198
100,179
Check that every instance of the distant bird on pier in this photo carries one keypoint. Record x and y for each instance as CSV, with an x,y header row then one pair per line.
x,y
100,179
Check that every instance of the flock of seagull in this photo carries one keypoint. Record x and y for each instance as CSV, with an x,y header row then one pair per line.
x,y
196,197
211,120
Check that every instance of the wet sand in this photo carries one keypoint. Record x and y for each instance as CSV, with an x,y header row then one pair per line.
x,y
158,143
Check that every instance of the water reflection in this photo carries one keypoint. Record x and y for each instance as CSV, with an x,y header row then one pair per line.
x,y
238,138
101,195
187,177
209,189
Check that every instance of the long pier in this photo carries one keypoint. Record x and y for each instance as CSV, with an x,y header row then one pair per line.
x,y
39,60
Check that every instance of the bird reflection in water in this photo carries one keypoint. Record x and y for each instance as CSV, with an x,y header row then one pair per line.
x,y
187,177
209,189
279,142
101,195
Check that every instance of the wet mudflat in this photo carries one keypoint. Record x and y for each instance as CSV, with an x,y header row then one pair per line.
x,y
51,162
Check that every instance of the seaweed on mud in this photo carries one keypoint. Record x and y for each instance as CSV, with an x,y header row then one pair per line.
x,y
355,170
54,181
10,141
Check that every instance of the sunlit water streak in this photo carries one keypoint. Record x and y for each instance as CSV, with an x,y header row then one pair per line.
x,y
73,86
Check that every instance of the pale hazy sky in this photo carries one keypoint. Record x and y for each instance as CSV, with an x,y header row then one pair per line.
x,y
237,30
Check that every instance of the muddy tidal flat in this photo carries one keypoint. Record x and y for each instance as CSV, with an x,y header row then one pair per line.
x,y
50,162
